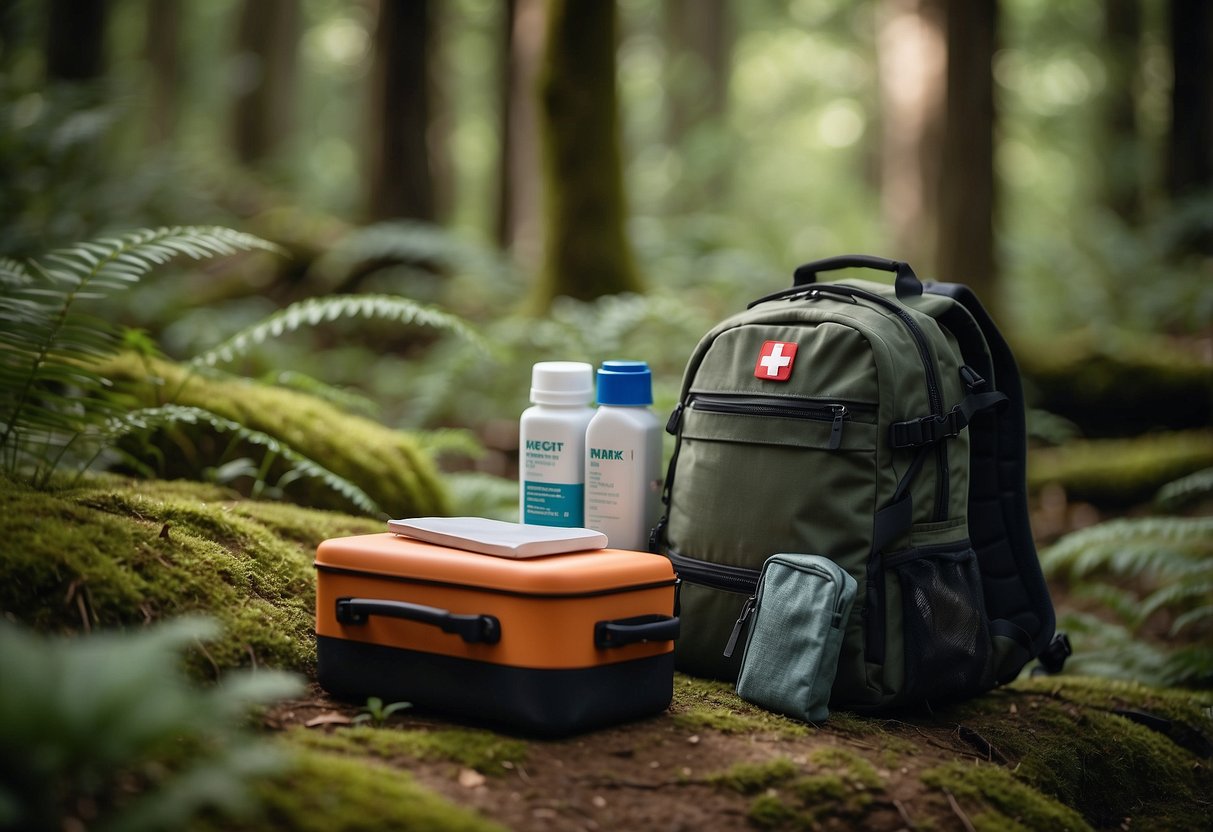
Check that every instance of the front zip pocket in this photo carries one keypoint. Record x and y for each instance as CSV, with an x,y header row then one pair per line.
x,y
818,410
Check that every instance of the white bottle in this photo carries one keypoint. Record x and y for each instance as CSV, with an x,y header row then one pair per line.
x,y
623,457
551,444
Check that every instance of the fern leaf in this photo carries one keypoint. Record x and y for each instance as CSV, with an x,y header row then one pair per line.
x,y
315,311
1186,490
1131,546
1191,617
403,242
168,415
49,343
1179,595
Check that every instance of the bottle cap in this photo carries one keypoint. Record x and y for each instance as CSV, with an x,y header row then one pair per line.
x,y
625,383
562,382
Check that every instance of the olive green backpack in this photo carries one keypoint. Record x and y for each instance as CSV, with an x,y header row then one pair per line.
x,y
881,427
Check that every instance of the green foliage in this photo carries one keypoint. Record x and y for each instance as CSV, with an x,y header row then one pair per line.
x,y
376,713
158,418
1185,490
485,751
50,393
314,311
1139,570
105,731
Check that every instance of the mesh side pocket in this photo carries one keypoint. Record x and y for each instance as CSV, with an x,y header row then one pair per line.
x,y
947,639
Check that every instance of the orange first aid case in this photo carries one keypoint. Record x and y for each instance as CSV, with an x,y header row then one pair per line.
x,y
549,645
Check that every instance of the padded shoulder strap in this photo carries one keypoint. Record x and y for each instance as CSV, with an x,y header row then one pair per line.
x,y
1014,585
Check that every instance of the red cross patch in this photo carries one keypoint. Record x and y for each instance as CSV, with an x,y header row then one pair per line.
x,y
775,361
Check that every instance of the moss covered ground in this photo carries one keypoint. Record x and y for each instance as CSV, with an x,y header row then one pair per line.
x,y
1054,753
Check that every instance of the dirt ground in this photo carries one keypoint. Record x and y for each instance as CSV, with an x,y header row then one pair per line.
x,y
666,773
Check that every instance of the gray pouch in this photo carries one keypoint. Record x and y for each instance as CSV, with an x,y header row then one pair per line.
x,y
798,616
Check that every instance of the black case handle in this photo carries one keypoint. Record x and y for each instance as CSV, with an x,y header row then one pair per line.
x,y
474,629
907,283
632,630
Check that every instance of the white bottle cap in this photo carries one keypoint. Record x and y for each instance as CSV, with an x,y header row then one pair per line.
x,y
562,382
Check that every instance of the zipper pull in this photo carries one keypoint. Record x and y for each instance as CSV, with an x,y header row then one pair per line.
x,y
655,535
840,413
671,426
746,609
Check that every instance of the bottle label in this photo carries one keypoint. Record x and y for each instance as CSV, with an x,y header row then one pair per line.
x,y
553,504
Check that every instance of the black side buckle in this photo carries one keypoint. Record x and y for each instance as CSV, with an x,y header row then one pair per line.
x,y
1053,658
916,432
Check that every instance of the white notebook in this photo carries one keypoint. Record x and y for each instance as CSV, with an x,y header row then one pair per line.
x,y
497,537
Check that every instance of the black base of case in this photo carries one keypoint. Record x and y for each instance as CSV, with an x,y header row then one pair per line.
x,y
543,702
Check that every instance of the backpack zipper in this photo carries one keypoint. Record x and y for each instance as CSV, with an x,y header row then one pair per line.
x,y
834,412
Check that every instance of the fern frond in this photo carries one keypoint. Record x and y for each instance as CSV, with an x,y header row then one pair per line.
x,y
13,273
47,346
1191,617
1179,594
315,311
169,415
1131,546
1186,490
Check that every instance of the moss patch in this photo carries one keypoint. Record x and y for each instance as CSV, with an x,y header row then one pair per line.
x,y
112,552
749,778
323,792
1071,747
1119,472
705,704
483,751
1005,802
388,465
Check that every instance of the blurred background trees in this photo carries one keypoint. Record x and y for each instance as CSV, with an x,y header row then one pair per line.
x,y
1044,152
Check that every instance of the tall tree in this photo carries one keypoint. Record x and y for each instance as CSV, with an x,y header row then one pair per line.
x,y
266,43
586,252
519,211
1190,148
911,64
965,250
699,45
1123,178
400,176
75,39
161,45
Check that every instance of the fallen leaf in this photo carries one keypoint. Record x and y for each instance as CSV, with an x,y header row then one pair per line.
x,y
470,778
330,718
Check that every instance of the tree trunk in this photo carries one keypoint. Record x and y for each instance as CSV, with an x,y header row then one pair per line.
x,y
161,51
266,44
1190,148
400,177
519,213
911,68
1122,179
586,250
966,186
699,35
75,39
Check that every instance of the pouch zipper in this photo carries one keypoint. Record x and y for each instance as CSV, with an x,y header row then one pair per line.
x,y
737,579
751,604
835,412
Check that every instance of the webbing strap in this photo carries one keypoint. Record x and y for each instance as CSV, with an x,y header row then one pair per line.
x,y
914,433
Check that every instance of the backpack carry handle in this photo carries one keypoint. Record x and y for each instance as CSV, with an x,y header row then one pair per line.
x,y
907,283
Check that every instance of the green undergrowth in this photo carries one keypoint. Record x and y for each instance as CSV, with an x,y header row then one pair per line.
x,y
388,465
1081,742
995,801
323,791
701,704
484,751
1120,472
829,782
110,552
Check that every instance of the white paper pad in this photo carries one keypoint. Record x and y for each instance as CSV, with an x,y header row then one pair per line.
x,y
496,537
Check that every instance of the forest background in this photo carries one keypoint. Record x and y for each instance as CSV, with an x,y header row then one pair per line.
x,y
442,193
